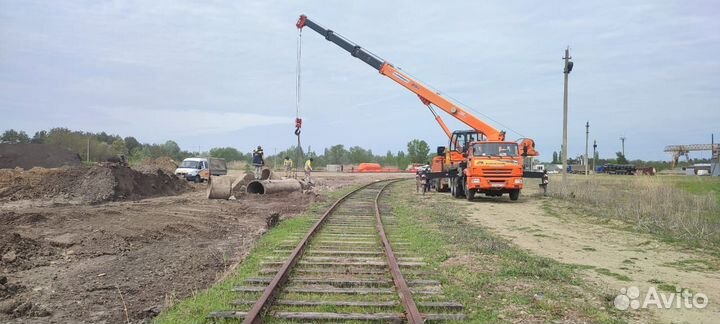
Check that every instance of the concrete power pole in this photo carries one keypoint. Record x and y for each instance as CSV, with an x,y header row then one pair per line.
x,y
587,133
622,139
566,70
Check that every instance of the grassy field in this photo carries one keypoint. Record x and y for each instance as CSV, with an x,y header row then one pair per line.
x,y
696,185
679,209
494,280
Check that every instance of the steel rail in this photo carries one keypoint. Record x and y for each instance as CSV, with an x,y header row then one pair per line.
x,y
411,311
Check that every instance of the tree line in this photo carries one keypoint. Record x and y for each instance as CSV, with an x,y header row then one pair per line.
x,y
97,147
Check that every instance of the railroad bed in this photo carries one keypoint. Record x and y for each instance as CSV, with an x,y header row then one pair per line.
x,y
345,269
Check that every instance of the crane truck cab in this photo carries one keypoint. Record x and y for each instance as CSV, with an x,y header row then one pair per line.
x,y
493,168
476,165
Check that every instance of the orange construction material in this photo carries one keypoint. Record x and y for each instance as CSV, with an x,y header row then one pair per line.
x,y
369,167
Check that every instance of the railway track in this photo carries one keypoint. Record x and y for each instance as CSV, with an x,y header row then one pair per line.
x,y
347,268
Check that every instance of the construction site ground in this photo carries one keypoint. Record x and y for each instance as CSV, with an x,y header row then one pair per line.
x,y
76,261
110,262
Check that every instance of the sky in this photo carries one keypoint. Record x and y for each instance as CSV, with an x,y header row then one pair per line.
x,y
223,73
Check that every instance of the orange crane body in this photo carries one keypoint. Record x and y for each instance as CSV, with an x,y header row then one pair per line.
x,y
476,161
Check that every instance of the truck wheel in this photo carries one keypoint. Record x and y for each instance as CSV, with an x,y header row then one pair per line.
x,y
459,188
515,194
469,193
197,179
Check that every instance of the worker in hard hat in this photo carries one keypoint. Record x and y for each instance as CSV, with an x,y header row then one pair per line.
x,y
288,164
308,170
258,161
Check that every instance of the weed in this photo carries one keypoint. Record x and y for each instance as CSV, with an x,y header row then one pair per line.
x,y
678,210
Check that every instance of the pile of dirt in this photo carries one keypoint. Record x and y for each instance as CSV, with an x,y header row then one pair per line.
x,y
94,184
28,156
165,164
22,253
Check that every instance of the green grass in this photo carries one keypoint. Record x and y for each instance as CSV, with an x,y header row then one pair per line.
x,y
609,273
697,185
218,297
679,210
494,280
695,265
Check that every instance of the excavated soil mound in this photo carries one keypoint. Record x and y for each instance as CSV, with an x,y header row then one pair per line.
x,y
103,182
165,164
28,156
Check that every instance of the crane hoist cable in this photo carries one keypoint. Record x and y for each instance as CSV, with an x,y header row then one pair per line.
x,y
298,79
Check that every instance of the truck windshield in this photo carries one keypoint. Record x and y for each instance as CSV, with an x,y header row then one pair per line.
x,y
190,164
495,149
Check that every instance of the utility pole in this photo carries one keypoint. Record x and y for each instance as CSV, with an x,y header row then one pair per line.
x,y
622,139
566,70
587,133
88,150
594,154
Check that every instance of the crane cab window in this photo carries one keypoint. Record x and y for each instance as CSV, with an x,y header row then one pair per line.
x,y
460,142
495,149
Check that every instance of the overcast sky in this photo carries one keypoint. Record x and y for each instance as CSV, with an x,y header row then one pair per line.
x,y
222,73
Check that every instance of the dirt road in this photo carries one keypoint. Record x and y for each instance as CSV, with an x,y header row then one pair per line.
x,y
612,257
110,262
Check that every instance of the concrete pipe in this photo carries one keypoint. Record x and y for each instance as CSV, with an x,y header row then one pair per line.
x,y
273,186
220,187
239,184
267,174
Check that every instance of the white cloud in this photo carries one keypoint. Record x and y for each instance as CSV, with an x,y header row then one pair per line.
x,y
167,123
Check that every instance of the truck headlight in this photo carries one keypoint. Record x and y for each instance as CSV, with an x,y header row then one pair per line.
x,y
518,181
475,180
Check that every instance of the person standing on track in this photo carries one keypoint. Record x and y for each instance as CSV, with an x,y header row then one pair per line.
x,y
258,161
308,170
288,164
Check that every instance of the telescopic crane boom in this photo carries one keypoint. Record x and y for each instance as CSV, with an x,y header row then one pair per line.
x,y
426,94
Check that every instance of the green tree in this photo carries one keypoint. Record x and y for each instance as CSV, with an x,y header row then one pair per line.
x,y
555,159
390,158
12,136
621,158
418,151
358,154
131,143
336,154
39,137
119,148
402,160
227,153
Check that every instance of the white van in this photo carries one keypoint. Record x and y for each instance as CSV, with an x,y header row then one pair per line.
x,y
198,169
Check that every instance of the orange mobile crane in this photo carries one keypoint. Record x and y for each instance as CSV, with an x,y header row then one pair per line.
x,y
478,160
